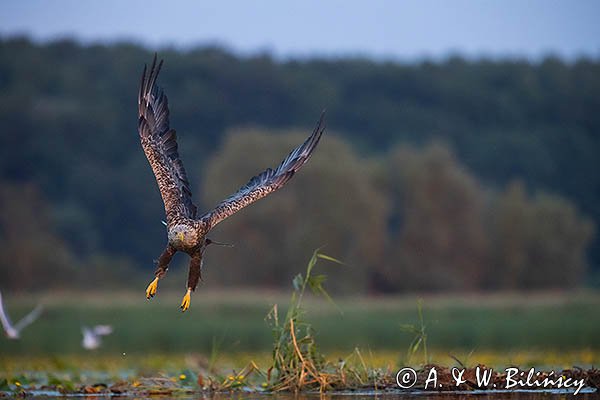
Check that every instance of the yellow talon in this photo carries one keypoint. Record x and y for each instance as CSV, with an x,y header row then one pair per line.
x,y
151,289
185,303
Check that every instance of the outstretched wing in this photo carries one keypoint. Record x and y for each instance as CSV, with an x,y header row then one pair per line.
x,y
267,182
29,318
4,317
160,145
102,330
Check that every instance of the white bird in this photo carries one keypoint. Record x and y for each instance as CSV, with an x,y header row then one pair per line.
x,y
92,336
14,331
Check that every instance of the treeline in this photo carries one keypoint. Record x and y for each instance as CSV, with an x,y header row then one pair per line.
x,y
69,153
414,219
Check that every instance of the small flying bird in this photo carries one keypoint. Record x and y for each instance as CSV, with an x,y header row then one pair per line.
x,y
14,331
186,231
92,336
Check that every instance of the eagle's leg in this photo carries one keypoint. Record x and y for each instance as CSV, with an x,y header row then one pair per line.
x,y
161,270
194,275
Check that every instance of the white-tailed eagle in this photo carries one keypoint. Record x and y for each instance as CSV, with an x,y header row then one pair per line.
x,y
186,230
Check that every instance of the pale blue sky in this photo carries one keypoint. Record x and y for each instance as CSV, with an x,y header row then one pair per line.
x,y
383,29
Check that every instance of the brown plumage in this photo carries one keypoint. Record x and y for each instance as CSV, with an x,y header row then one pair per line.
x,y
185,230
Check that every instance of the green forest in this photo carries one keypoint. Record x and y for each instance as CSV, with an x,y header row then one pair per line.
x,y
432,176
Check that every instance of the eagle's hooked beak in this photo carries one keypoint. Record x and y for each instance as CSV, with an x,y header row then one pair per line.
x,y
180,236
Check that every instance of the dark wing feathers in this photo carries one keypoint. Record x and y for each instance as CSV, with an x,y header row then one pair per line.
x,y
160,146
268,181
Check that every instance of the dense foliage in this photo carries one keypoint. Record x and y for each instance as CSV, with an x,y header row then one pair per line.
x,y
70,152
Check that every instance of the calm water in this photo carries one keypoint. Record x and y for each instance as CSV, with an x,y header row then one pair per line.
x,y
586,394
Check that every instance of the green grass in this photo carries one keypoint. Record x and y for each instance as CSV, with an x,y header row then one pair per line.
x,y
226,343
236,320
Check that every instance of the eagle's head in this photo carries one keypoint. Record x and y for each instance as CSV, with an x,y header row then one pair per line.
x,y
183,236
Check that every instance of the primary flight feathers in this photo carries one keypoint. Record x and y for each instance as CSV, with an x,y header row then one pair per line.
x,y
160,145
268,181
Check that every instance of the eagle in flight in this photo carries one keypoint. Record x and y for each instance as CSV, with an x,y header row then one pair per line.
x,y
186,230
